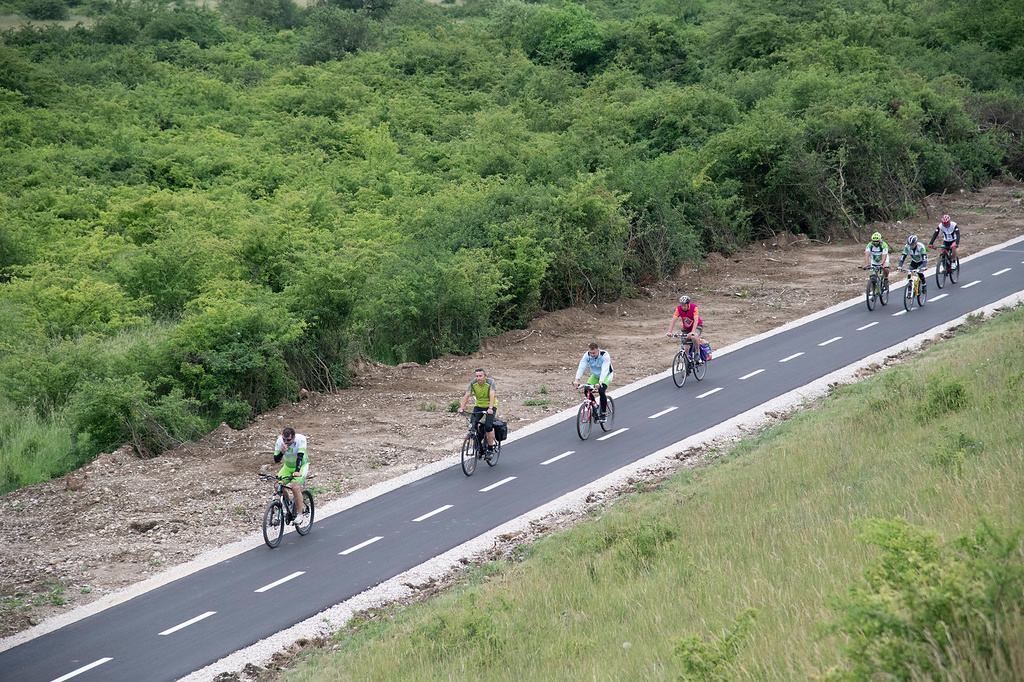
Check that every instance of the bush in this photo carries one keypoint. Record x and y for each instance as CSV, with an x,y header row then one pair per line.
x,y
927,610
46,10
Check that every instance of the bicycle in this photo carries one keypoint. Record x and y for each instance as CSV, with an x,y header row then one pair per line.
x,y
591,406
947,267
916,288
474,446
878,286
687,361
281,511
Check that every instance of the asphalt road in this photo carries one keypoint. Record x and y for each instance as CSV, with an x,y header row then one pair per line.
x,y
188,624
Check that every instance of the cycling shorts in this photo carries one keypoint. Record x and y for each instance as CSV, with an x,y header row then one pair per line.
x,y
607,380
289,470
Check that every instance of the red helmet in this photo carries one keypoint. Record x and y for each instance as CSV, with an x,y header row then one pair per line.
x,y
945,220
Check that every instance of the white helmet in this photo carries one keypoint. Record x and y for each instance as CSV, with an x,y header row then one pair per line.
x,y
911,240
684,300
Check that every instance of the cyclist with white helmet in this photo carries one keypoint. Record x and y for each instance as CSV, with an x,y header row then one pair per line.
x,y
918,255
877,253
950,236
693,326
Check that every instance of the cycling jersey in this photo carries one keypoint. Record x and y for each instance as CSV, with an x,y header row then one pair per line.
x,y
483,393
689,315
600,367
879,254
918,256
292,452
950,233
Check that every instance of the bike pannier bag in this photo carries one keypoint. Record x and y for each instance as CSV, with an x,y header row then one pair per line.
x,y
705,351
500,430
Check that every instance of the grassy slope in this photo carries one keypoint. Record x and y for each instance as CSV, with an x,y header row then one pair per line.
x,y
769,527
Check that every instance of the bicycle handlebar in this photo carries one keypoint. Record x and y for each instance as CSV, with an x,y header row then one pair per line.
x,y
274,477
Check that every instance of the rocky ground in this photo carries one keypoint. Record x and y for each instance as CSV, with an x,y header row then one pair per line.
x,y
122,519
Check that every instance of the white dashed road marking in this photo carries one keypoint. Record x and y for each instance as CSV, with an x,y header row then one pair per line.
x,y
968,286
832,340
83,669
555,459
754,373
613,433
860,329
663,412
714,390
274,584
794,355
996,274
495,485
358,547
429,514
935,298
187,623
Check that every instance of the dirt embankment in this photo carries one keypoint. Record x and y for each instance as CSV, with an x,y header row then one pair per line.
x,y
121,519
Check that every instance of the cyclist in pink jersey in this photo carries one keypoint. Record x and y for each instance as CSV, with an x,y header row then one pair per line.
x,y
693,326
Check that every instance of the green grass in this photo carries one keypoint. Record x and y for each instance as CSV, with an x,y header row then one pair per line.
x,y
533,402
732,571
33,450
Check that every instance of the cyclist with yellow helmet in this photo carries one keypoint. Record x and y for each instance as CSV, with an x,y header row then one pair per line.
x,y
877,253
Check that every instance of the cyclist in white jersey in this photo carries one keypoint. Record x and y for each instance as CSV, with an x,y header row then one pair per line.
x,y
600,364
950,236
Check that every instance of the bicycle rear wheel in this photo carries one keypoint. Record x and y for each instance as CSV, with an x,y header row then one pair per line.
x,y
307,506
869,294
679,368
495,453
609,416
273,524
469,454
954,273
583,420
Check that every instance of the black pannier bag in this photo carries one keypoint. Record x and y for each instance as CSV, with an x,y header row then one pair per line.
x,y
500,430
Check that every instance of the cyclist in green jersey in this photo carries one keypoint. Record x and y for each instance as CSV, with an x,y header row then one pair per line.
x,y
483,390
291,447
877,253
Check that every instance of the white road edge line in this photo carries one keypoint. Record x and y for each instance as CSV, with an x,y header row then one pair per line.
x,y
83,669
495,485
613,433
714,390
968,286
187,623
996,274
663,412
358,547
555,459
870,324
832,340
429,514
794,355
747,376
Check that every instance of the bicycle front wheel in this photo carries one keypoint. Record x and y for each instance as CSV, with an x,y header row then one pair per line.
x,y
954,272
883,291
469,454
922,292
869,295
908,296
679,368
940,273
273,524
583,421
307,506
609,416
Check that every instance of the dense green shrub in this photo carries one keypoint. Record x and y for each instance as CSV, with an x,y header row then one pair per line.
x,y
929,610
